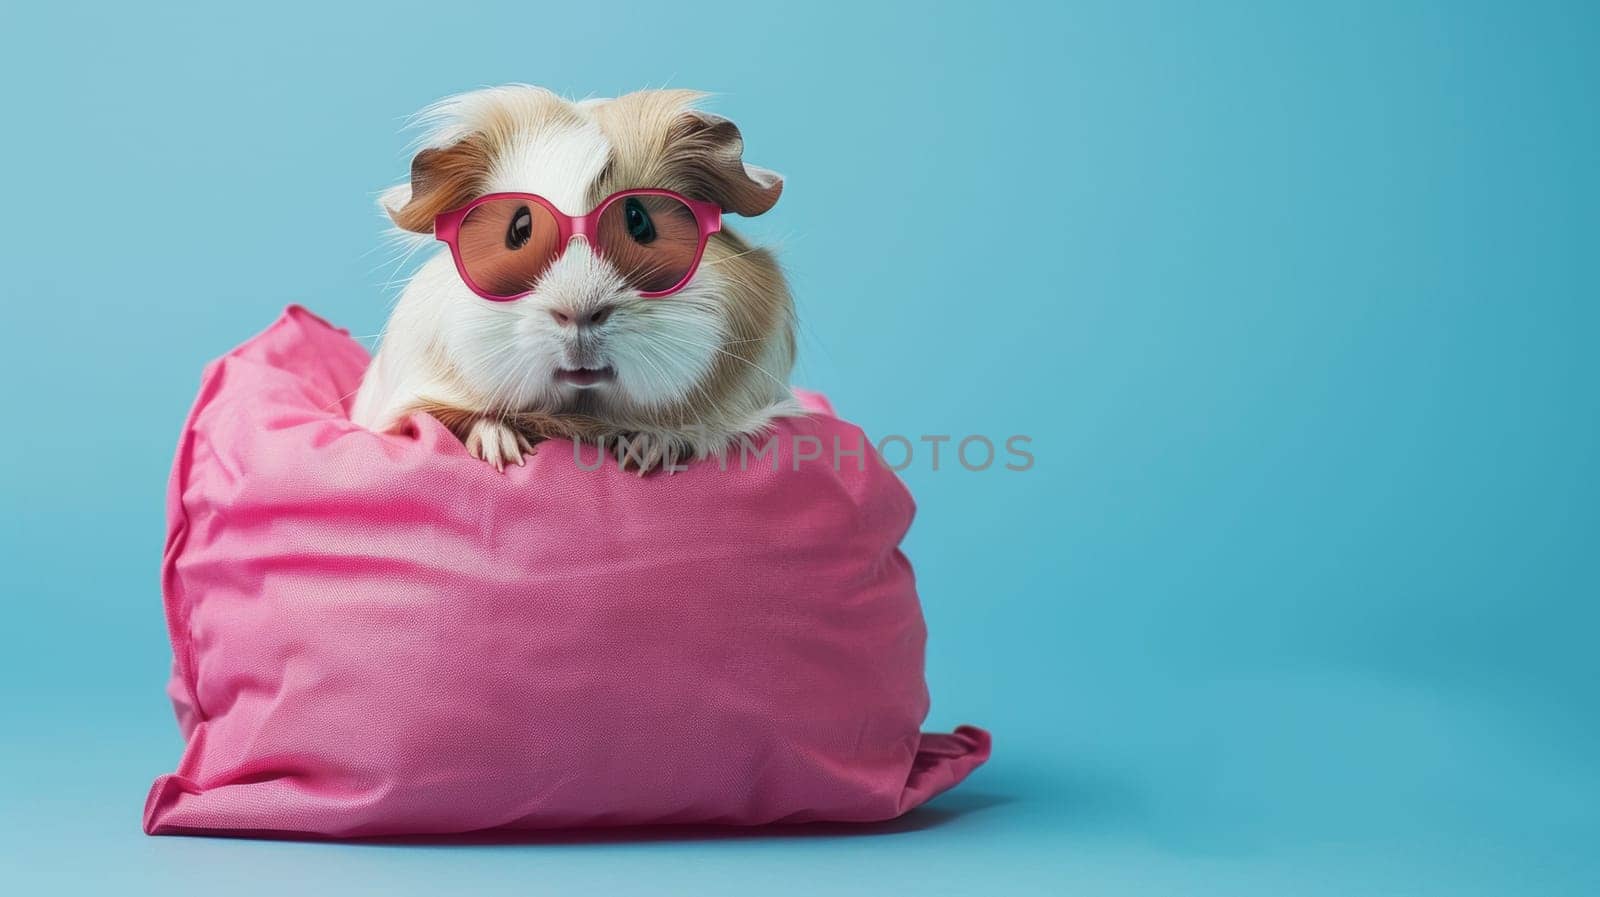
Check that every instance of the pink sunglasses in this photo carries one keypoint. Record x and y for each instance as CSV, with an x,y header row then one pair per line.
x,y
503,242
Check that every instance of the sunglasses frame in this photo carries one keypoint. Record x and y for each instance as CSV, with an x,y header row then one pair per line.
x,y
447,229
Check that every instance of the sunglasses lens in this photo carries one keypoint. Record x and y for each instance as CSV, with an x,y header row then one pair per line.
x,y
505,244
651,240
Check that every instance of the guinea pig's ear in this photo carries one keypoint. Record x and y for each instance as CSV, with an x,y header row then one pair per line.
x,y
713,149
442,178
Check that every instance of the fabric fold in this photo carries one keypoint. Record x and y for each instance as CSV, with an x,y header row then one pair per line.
x,y
377,634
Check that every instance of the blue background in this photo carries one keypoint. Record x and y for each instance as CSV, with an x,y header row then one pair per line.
x,y
1297,304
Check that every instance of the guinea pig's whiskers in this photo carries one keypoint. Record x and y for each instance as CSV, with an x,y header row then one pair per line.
x,y
523,383
649,344
515,397
745,361
655,351
502,374
340,400
398,263
504,379
699,387
729,258
662,382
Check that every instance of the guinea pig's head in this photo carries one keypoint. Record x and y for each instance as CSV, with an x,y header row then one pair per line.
x,y
582,335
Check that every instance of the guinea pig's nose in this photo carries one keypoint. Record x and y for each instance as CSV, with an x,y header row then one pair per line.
x,y
589,317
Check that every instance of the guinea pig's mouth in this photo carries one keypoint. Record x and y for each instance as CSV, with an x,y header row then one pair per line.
x,y
585,377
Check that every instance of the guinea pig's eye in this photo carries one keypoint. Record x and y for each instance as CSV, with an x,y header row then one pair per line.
x,y
521,229
640,227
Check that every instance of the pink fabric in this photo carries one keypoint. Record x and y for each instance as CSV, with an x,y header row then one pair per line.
x,y
378,635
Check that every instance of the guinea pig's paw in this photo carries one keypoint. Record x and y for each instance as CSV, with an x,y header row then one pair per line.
x,y
647,451
497,442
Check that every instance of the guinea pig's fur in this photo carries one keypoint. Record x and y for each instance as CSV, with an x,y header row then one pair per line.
x,y
694,370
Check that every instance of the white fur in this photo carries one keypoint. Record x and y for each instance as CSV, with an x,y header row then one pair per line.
x,y
507,353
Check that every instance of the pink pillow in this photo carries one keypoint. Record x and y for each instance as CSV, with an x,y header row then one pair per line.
x,y
378,635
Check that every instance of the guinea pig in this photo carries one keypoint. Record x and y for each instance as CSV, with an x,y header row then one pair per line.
x,y
586,346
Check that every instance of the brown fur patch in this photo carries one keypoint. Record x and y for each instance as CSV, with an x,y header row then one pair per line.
x,y
535,425
659,140
443,179
447,177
